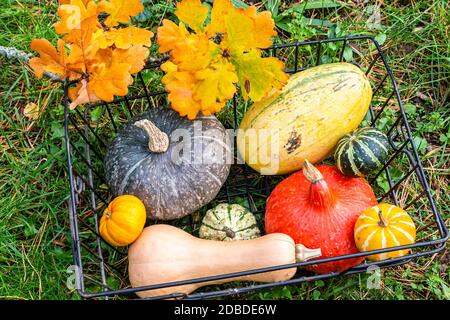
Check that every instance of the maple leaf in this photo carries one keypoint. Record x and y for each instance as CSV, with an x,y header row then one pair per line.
x,y
125,37
120,11
216,84
258,75
218,13
73,13
193,13
134,55
50,59
81,94
107,80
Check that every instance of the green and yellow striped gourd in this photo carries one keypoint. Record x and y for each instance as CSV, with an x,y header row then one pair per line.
x,y
228,222
361,152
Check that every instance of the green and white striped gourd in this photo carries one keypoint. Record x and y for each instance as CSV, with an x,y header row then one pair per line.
x,y
228,222
361,151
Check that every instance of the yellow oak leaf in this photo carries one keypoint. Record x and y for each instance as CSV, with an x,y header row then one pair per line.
x,y
195,53
81,94
257,75
50,59
108,80
216,84
124,38
120,11
72,14
134,55
170,35
193,13
218,13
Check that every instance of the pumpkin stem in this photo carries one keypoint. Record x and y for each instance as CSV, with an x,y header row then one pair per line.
x,y
319,193
108,214
230,233
303,253
158,141
383,222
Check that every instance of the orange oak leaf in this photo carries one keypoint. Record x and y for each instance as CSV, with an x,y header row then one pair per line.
x,y
72,14
125,37
50,59
181,87
245,29
120,11
264,27
82,48
171,35
218,13
135,55
106,81
193,13
81,94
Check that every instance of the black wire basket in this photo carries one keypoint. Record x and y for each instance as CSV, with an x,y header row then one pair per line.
x,y
101,270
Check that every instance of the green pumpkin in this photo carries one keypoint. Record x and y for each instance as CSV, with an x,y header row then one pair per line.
x,y
361,152
228,222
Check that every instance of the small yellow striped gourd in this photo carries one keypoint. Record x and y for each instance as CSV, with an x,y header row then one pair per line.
x,y
384,226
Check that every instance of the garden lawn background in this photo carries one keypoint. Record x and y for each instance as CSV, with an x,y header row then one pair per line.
x,y
35,246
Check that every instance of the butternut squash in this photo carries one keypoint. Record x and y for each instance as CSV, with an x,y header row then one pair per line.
x,y
165,253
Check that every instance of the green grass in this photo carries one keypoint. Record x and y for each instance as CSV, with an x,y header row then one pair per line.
x,y
35,246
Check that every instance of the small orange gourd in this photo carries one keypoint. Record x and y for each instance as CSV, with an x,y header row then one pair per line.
x,y
384,226
123,220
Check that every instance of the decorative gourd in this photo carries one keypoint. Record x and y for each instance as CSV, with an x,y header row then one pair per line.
x,y
164,254
305,120
318,207
361,152
123,220
384,226
174,165
227,222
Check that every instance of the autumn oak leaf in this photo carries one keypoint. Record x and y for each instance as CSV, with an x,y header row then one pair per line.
x,y
135,55
181,88
219,11
171,35
120,11
216,84
50,59
81,94
258,75
126,37
73,13
193,13
109,80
